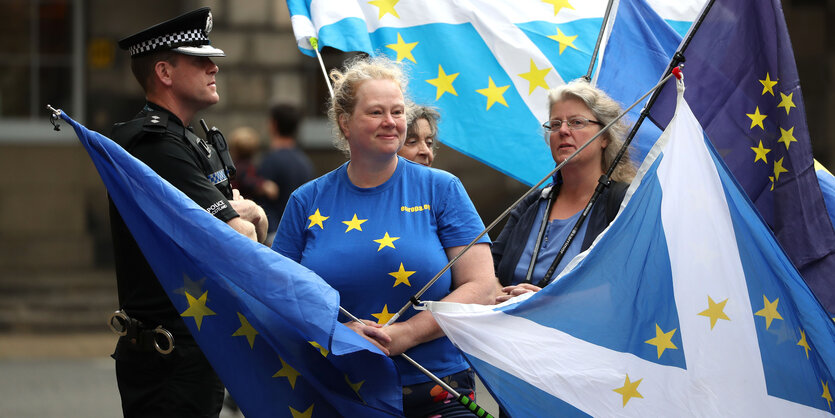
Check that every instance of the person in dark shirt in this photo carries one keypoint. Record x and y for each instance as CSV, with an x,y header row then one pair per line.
x,y
160,370
285,164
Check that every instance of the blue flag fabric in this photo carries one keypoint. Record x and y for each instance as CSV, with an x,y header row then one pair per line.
x,y
267,325
827,183
745,91
684,306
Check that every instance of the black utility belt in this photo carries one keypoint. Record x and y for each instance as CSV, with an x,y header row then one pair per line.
x,y
139,336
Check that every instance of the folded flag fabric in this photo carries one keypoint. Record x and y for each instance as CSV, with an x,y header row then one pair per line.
x,y
267,325
684,306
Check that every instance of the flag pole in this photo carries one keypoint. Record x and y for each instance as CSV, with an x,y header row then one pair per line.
x,y
587,77
605,179
462,399
415,300
314,42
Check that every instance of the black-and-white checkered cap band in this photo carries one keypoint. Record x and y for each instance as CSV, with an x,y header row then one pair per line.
x,y
192,37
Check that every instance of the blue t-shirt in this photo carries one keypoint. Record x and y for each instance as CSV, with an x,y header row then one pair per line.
x,y
379,246
556,232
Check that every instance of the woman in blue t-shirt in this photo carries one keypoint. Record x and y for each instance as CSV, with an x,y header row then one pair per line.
x,y
379,227
577,112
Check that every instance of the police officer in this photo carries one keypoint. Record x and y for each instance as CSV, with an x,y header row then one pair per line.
x,y
173,63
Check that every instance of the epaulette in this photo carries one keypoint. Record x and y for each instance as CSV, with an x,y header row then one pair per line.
x,y
155,122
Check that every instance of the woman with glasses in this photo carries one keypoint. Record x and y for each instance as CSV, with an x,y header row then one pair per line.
x,y
524,253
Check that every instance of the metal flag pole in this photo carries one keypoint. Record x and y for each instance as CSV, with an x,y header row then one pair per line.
x,y
604,181
415,300
587,77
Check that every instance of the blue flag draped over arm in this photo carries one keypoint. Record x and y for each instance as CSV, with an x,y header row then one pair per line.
x,y
267,325
745,91
684,306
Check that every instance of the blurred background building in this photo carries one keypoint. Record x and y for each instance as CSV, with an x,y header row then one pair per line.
x,y
55,251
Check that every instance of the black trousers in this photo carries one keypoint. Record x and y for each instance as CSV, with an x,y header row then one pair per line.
x,y
180,384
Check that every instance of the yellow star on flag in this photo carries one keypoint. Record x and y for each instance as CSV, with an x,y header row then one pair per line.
x,y
386,241
768,84
355,386
771,178
443,83
786,102
715,311
246,330
286,371
663,340
403,49
826,394
804,344
317,219
787,137
354,223
564,40
197,308
402,276
324,351
559,5
778,168
629,390
385,6
761,153
306,414
769,312
384,316
493,93
535,77
756,118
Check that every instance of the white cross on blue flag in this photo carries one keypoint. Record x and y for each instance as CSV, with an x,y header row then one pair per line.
x,y
684,306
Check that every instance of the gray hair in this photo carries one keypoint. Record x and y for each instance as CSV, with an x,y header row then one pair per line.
x,y
347,81
605,110
430,115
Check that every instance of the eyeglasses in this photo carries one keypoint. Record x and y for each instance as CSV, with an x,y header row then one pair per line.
x,y
573,124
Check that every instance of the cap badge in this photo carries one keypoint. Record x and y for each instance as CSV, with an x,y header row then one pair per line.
x,y
209,23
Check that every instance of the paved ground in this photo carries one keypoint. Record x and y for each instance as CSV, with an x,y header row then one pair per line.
x,y
71,376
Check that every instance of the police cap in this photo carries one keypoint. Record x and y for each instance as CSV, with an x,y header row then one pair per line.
x,y
187,34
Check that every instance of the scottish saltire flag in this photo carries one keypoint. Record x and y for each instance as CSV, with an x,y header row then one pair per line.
x,y
267,324
684,306
745,91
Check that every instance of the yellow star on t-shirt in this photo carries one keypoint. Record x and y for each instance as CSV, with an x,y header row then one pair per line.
x,y
402,276
778,168
768,84
443,83
306,414
287,371
354,223
197,308
803,343
403,49
761,152
559,5
246,330
386,241
715,311
756,118
629,390
317,219
564,40
769,312
494,94
786,102
535,77
386,6
663,340
384,316
787,137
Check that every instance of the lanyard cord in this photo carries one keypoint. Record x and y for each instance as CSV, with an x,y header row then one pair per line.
x,y
548,205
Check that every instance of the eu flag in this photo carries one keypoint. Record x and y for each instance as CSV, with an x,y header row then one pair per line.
x,y
267,325
745,91
684,306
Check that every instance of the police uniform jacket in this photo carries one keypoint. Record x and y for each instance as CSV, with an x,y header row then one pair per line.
x,y
158,138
